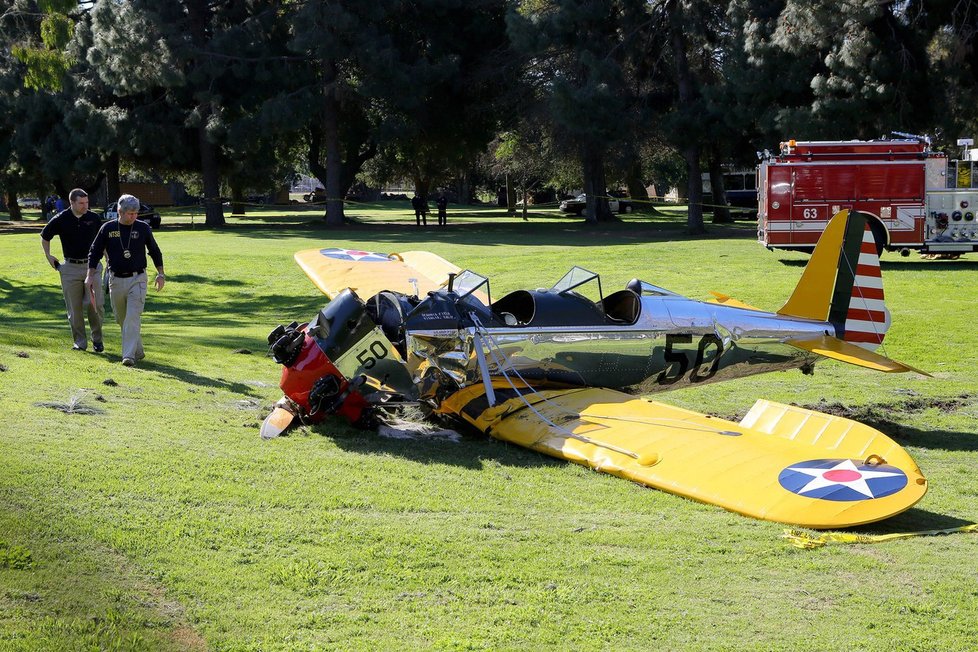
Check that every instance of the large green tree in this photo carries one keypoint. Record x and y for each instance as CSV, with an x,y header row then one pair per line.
x,y
580,54
48,141
189,71
417,84
342,49
455,91
835,70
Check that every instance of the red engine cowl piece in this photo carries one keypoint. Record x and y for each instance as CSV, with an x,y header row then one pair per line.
x,y
300,378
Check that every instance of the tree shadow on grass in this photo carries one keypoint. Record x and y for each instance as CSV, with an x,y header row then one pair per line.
x,y
913,266
193,378
31,310
566,232
204,280
929,265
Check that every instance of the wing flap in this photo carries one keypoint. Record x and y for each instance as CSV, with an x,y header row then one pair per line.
x,y
769,473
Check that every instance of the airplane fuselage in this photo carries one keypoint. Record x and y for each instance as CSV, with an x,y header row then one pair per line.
x,y
673,342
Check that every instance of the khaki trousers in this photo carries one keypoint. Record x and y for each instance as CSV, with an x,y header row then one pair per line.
x,y
78,302
128,297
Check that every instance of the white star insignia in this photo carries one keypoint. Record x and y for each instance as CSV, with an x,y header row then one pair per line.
x,y
856,484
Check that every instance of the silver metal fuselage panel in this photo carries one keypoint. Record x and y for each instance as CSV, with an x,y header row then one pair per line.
x,y
675,342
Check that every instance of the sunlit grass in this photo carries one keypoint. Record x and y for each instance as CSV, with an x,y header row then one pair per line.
x,y
165,523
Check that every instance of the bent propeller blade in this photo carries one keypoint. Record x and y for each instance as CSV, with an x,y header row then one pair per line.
x,y
276,423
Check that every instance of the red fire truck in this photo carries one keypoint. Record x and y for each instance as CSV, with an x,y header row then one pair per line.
x,y
902,183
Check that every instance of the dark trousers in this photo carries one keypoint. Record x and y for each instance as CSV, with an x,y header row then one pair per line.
x,y
442,217
420,217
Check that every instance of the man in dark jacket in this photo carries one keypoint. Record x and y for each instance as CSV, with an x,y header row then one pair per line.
x,y
126,240
77,227
420,210
442,205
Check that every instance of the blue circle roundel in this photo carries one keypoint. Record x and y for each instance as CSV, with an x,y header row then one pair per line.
x,y
355,255
842,480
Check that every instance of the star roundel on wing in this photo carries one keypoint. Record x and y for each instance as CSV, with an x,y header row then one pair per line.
x,y
355,255
842,480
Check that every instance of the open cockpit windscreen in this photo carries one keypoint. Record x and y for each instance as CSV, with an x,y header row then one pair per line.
x,y
468,283
578,280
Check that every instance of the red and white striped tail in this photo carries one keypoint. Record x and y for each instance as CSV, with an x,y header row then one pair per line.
x,y
867,319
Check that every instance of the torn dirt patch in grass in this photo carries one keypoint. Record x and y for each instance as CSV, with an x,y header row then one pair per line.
x,y
883,412
73,406
877,414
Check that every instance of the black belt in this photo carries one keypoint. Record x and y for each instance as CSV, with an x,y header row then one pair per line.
x,y
127,274
77,261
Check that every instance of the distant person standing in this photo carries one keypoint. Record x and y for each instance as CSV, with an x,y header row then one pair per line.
x,y
59,204
420,210
442,205
77,227
126,240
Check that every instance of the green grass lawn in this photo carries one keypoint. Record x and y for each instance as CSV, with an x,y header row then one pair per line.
x,y
150,515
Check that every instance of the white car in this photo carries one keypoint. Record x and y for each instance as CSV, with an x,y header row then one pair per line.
x,y
577,204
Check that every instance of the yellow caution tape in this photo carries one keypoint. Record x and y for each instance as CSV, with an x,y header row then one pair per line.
x,y
800,539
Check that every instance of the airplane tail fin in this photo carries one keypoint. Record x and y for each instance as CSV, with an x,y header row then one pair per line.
x,y
842,283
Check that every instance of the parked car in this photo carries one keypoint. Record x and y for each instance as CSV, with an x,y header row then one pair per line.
x,y
318,195
146,214
576,205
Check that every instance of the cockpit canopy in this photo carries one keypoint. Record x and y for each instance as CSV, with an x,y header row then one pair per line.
x,y
565,304
576,299
576,278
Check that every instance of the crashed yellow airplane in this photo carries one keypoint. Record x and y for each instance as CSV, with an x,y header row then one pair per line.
x,y
557,372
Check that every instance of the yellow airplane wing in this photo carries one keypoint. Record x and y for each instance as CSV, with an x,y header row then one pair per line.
x,y
333,270
780,463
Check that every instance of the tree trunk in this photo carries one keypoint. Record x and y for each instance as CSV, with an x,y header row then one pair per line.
x,y
43,193
526,198
334,163
353,162
113,190
213,208
314,154
510,196
636,186
687,94
721,209
200,16
637,189
356,156
595,185
237,199
694,185
10,197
